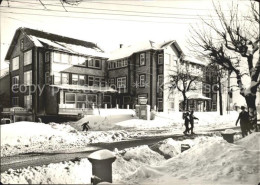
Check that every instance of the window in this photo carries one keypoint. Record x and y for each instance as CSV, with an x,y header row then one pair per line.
x,y
97,81
47,56
28,57
15,81
64,78
21,44
15,63
142,80
142,59
119,63
57,78
91,63
28,78
90,80
28,102
125,62
81,100
70,98
121,82
81,80
97,63
15,101
103,82
113,65
64,58
160,59
112,81
75,79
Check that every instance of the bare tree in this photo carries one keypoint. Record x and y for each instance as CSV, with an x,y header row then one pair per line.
x,y
221,41
183,80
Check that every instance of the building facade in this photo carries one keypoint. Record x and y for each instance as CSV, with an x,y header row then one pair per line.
x,y
53,75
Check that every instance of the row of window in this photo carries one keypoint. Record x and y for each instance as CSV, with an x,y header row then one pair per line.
x,y
124,62
74,60
27,60
76,79
27,79
120,83
27,101
117,64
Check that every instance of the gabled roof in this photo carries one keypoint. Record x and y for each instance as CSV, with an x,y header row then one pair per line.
x,y
127,51
56,42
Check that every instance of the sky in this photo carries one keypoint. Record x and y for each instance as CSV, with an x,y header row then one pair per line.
x,y
108,23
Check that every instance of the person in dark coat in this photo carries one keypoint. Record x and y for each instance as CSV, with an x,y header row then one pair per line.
x,y
244,121
185,116
85,126
192,117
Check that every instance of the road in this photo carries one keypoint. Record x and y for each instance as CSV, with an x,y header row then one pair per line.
x,y
38,159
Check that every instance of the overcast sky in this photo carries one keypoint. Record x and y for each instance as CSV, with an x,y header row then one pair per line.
x,y
108,23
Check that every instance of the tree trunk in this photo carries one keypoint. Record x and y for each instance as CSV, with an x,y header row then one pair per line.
x,y
250,101
220,98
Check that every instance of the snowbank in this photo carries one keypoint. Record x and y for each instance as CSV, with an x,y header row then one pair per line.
x,y
60,173
22,137
251,142
211,162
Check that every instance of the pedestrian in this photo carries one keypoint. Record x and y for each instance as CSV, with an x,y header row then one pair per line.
x,y
192,117
185,116
85,126
244,121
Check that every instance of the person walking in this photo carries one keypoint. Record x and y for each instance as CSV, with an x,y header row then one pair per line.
x,y
185,116
192,117
244,121
85,126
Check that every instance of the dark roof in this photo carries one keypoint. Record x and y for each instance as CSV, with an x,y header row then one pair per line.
x,y
49,36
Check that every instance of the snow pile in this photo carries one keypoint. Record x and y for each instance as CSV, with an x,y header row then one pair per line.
x,y
133,159
251,142
22,137
171,148
211,162
78,172
143,154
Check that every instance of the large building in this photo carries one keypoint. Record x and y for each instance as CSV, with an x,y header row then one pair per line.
x,y
54,75
144,70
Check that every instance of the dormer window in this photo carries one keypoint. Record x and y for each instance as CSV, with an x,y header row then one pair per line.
x,y
94,63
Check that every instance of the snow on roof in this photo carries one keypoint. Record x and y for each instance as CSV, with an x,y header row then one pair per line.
x,y
129,50
194,60
66,47
57,42
101,155
84,88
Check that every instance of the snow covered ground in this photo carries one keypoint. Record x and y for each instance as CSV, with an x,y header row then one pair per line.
x,y
210,160
22,137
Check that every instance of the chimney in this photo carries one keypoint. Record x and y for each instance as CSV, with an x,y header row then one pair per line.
x,y
121,45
